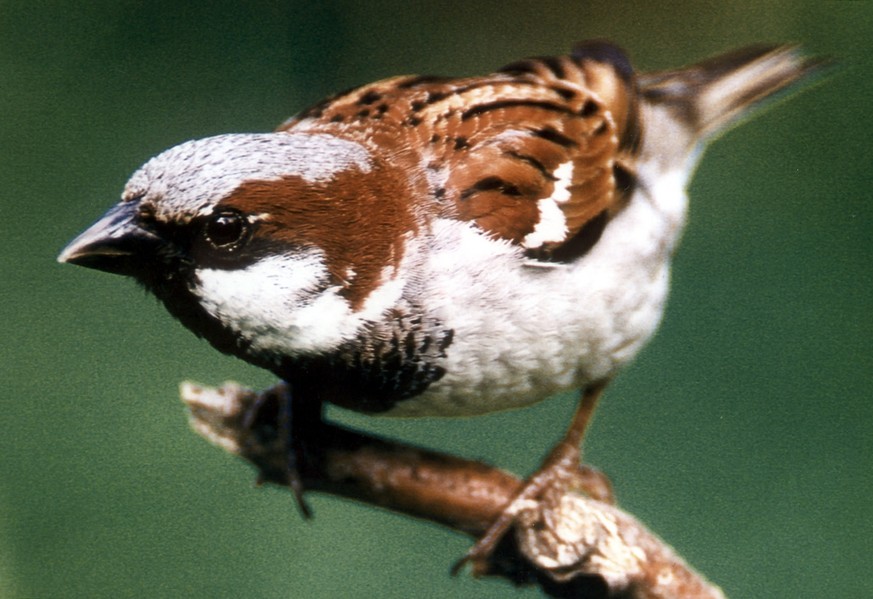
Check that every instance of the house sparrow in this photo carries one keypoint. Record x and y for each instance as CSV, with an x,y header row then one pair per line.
x,y
428,246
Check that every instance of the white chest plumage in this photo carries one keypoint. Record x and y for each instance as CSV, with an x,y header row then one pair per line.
x,y
525,330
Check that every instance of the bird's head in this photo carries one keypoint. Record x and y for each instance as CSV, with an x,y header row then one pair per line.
x,y
269,245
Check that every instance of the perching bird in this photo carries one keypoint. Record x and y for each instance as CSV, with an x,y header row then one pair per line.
x,y
439,246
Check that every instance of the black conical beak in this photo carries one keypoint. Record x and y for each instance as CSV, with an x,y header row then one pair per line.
x,y
115,243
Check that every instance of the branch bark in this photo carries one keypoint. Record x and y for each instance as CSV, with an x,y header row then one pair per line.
x,y
572,541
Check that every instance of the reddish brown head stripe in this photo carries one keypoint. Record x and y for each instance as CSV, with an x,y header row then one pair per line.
x,y
358,220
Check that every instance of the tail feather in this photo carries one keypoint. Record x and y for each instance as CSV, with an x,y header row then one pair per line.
x,y
712,95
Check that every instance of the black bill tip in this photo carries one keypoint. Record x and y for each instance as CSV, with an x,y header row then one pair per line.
x,y
115,243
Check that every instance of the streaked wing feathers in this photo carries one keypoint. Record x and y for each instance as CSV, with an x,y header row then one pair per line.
x,y
532,154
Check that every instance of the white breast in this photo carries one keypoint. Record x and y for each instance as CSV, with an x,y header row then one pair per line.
x,y
523,332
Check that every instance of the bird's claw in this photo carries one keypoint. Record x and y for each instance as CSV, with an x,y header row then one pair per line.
x,y
287,434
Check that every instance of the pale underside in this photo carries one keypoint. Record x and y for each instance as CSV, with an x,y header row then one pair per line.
x,y
551,328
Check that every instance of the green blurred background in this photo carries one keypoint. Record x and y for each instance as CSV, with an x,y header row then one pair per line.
x,y
743,434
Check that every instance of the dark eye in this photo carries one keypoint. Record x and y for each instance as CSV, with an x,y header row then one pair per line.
x,y
226,230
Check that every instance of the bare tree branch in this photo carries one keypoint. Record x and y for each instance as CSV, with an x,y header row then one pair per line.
x,y
571,541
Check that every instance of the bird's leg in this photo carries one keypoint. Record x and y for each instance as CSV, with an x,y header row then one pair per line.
x,y
562,461
296,417
291,434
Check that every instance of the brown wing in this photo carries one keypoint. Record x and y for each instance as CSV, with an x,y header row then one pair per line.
x,y
540,153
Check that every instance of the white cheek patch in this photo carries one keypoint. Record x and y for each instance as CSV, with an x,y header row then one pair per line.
x,y
279,304
283,307
552,226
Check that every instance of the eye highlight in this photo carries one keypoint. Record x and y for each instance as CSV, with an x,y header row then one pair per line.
x,y
226,230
